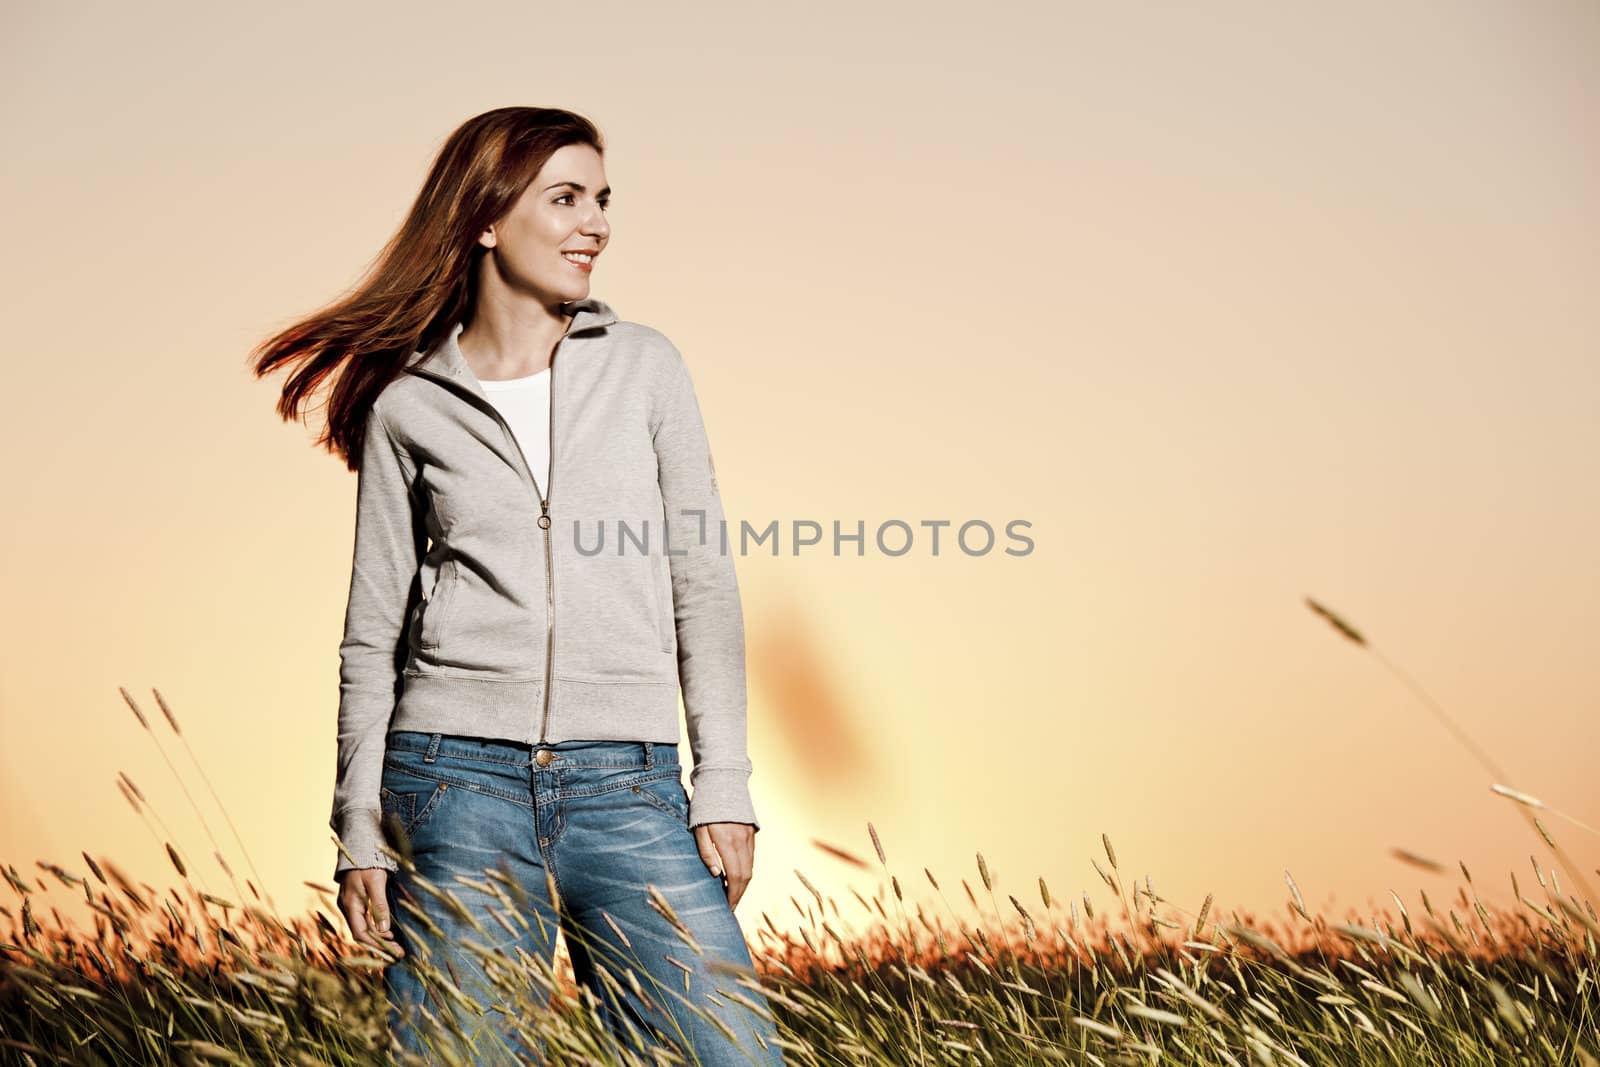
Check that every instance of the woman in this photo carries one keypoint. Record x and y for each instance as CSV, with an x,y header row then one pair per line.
x,y
538,568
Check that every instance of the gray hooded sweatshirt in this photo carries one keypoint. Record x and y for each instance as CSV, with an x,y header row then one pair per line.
x,y
479,607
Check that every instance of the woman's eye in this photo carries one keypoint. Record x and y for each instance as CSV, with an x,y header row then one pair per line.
x,y
567,197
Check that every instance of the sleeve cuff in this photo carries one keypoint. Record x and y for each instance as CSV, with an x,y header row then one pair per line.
x,y
361,831
721,796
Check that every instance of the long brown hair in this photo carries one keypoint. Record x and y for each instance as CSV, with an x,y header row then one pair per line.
x,y
425,279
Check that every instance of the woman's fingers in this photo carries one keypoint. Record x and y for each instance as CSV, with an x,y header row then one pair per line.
x,y
738,874
363,899
708,848
728,849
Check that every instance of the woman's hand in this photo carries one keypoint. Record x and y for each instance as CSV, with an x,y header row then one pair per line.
x,y
364,899
728,849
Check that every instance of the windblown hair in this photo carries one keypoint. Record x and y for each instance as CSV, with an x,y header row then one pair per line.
x,y
425,279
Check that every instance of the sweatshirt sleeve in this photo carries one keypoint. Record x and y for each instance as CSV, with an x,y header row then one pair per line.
x,y
705,607
389,539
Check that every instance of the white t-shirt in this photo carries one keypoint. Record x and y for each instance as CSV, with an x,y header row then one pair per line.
x,y
525,405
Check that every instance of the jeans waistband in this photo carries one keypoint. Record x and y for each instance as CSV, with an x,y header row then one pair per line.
x,y
589,753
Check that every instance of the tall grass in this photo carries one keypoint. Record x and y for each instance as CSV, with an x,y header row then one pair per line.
x,y
983,977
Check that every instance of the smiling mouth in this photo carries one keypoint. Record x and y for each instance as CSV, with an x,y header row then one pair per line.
x,y
582,259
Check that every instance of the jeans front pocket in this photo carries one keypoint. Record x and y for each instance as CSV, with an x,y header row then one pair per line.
x,y
402,807
667,796
408,802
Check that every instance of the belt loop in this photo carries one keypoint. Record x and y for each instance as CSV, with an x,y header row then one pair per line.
x,y
649,754
433,748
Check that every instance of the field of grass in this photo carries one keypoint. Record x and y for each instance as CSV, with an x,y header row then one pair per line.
x,y
195,979
983,978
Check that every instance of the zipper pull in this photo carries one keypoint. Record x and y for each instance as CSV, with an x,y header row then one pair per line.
x,y
544,514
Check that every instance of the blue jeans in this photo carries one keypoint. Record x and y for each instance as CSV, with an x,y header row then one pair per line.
x,y
600,821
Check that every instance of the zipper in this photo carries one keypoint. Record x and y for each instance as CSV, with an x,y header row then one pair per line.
x,y
544,516
544,524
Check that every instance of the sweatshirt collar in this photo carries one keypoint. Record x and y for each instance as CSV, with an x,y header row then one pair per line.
x,y
590,313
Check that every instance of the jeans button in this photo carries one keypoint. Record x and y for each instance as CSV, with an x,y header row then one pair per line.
x,y
543,757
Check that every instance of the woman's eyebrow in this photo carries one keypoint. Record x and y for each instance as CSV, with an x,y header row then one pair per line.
x,y
579,186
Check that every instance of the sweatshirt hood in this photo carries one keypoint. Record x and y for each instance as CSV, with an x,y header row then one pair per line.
x,y
445,359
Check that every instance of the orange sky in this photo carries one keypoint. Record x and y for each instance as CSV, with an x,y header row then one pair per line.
x,y
1233,307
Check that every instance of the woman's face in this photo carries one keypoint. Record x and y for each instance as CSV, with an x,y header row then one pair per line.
x,y
561,213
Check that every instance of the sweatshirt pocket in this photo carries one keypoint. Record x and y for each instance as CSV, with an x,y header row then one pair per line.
x,y
436,611
661,601
609,619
